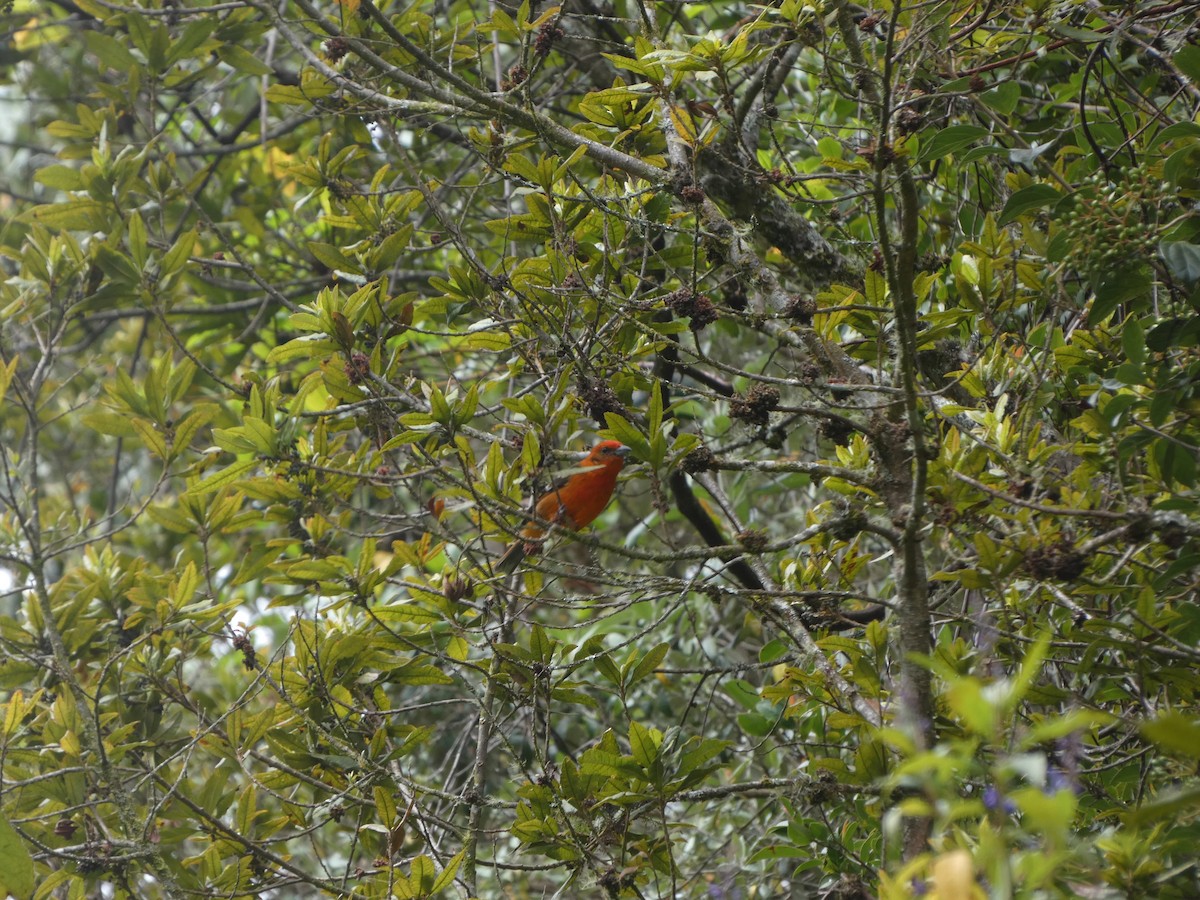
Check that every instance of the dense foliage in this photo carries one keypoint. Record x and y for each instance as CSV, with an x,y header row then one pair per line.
x,y
304,304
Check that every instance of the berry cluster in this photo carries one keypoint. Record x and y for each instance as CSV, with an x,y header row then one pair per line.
x,y
1112,223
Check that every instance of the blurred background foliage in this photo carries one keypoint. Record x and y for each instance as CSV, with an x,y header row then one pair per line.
x,y
303,304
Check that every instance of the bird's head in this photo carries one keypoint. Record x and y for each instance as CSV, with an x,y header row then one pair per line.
x,y
607,453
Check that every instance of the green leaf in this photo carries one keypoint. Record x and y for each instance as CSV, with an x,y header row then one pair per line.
x,y
288,94
621,430
51,884
875,287
1177,131
1182,258
152,439
332,258
71,131
643,744
647,664
1048,814
16,874
1031,667
1033,197
1083,35
1175,733
1174,332
1181,166
1133,340
1055,727
742,692
494,341
967,700
243,439
181,251
1173,805
421,675
7,371
118,266
780,851
170,518
656,409
224,477
756,725
1187,58
522,227
609,670
631,65
405,612
242,60
772,650
1175,462
73,215
541,647
247,810
708,749
110,51
109,423
306,347
950,140
62,178
391,248
1116,288
316,570
385,806
1003,97
446,878
193,36
138,248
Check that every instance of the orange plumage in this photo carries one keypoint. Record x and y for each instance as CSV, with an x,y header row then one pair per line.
x,y
574,503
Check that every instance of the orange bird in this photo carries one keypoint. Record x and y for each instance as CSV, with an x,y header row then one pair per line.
x,y
573,503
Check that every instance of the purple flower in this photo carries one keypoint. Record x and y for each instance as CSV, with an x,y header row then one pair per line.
x,y
1058,780
994,800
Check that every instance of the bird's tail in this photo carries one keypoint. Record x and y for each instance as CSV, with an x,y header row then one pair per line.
x,y
511,558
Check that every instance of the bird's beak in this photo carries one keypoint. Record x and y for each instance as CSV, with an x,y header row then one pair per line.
x,y
622,452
